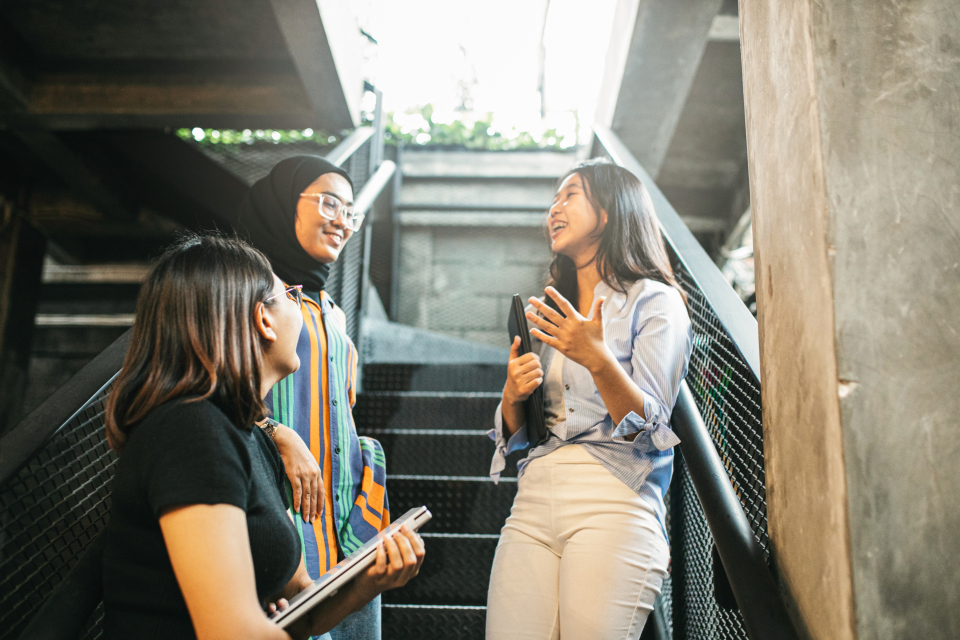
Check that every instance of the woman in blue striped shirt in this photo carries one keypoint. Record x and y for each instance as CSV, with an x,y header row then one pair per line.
x,y
584,551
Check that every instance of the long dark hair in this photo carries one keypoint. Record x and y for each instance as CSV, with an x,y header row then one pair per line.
x,y
193,335
631,247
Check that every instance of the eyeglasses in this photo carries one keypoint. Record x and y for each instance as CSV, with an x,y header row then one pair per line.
x,y
295,293
331,208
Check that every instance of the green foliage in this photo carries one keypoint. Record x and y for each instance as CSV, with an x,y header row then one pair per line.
x,y
414,127
418,127
248,136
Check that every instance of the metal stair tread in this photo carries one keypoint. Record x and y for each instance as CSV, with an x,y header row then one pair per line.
x,y
451,395
436,606
463,536
429,478
467,206
422,432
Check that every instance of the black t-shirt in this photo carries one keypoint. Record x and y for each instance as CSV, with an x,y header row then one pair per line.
x,y
188,452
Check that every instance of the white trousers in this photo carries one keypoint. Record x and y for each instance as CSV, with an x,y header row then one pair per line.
x,y
581,557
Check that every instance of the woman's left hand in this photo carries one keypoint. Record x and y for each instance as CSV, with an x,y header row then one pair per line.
x,y
577,338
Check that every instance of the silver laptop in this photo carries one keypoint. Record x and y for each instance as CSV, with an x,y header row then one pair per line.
x,y
345,570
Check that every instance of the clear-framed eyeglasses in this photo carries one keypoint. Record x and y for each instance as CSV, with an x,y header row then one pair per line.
x,y
295,293
331,208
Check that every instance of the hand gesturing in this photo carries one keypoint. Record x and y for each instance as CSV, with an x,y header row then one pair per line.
x,y
578,338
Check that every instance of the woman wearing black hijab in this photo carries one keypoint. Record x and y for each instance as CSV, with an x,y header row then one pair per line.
x,y
301,216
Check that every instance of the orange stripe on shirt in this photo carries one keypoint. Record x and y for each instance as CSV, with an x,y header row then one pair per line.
x,y
322,527
375,493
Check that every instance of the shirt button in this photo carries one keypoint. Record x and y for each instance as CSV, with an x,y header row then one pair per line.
x,y
571,409
337,498
567,387
337,449
331,358
334,403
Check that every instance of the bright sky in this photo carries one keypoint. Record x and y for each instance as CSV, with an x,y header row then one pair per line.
x,y
429,49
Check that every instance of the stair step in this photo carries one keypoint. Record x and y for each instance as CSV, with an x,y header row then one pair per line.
x,y
425,410
455,571
66,341
434,377
458,504
89,298
419,622
477,193
455,452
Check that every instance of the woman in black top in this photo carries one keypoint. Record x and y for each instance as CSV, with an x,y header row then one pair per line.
x,y
199,543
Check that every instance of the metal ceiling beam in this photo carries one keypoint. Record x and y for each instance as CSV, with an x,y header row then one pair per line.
x,y
78,101
323,41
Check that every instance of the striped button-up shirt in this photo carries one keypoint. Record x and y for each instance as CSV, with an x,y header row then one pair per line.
x,y
317,403
648,330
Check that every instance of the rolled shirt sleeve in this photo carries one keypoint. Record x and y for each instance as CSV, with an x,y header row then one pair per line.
x,y
662,344
504,446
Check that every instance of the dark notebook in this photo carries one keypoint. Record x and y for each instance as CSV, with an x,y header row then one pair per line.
x,y
532,406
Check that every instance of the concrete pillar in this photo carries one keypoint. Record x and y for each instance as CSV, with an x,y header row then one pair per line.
x,y
21,266
853,130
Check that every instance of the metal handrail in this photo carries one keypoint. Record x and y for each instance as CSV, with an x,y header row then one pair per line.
x,y
374,186
34,431
349,145
736,319
28,436
763,611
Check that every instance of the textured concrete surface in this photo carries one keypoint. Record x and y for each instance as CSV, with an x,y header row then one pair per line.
x,y
853,125
459,281
666,39
460,268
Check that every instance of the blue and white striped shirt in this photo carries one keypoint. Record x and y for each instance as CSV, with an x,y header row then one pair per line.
x,y
648,330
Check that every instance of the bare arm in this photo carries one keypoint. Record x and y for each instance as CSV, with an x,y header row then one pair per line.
x,y
210,553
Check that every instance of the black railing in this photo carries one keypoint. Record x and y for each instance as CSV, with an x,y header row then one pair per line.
x,y
55,465
719,493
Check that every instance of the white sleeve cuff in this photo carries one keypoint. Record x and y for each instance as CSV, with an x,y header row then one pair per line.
x,y
653,434
504,447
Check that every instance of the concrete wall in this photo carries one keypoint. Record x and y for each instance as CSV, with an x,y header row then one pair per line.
x,y
853,126
460,281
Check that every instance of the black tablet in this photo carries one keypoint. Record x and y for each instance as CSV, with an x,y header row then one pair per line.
x,y
532,406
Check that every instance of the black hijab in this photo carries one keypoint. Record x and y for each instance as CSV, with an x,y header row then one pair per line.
x,y
268,216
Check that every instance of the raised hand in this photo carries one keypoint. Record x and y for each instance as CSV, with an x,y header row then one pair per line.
x,y
524,374
578,338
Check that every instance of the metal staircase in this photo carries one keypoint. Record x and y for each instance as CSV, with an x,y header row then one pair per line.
x,y
432,422
431,414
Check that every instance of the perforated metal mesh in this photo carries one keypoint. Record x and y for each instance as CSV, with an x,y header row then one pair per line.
x,y
728,397
59,501
250,162
695,610
51,511
345,282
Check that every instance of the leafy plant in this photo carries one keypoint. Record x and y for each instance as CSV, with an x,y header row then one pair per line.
x,y
249,136
420,127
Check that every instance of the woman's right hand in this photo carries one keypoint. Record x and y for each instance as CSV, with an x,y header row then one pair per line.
x,y
399,557
524,375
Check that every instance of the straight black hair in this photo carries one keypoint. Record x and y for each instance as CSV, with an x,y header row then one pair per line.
x,y
194,335
631,247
